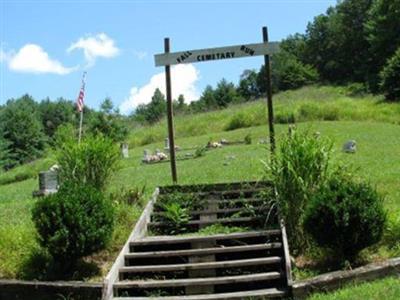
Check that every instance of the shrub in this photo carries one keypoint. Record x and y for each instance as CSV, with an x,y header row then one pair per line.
x,y
345,216
73,223
239,120
89,163
299,168
390,77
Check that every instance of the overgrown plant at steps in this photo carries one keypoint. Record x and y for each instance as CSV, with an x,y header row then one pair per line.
x,y
174,211
299,168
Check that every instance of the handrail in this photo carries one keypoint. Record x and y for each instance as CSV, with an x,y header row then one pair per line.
x,y
138,232
285,245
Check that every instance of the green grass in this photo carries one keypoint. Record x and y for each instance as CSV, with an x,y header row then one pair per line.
x,y
376,131
311,103
388,289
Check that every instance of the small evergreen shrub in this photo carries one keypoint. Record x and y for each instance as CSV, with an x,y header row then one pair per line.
x,y
73,223
91,162
390,77
345,216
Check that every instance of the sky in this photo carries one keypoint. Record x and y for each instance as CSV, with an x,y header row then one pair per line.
x,y
45,46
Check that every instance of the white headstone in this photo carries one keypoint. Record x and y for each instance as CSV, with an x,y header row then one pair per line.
x,y
125,150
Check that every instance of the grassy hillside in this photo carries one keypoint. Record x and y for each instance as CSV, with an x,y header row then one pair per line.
x,y
312,103
377,136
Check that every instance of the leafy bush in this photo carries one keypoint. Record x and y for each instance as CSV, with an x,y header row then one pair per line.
x,y
345,216
390,77
89,163
299,168
239,120
175,211
73,223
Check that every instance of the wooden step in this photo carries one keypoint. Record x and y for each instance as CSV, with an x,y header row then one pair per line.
x,y
210,222
203,265
213,211
204,251
126,284
155,240
254,294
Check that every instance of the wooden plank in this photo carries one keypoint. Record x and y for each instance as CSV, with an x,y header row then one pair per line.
x,y
288,267
209,54
203,265
155,240
138,232
204,251
213,211
191,188
196,281
208,222
262,293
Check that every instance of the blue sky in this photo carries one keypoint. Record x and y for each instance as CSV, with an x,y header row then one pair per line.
x,y
46,45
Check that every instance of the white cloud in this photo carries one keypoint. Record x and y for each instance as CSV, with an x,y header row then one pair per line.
x,y
99,45
32,58
183,79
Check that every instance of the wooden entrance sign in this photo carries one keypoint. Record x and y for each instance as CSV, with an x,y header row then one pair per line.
x,y
167,59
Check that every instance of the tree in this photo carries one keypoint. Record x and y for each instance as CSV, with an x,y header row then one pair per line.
x,y
390,77
382,33
154,111
53,114
288,72
248,87
208,98
180,105
108,122
6,158
225,93
21,126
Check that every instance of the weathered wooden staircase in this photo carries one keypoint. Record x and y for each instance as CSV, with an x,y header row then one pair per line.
x,y
246,265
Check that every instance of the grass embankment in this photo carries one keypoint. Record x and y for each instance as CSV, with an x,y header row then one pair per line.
x,y
376,160
388,289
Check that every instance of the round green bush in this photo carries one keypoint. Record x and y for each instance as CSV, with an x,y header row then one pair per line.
x,y
390,77
73,223
345,216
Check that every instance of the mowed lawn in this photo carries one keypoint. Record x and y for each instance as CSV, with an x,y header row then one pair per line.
x,y
377,160
388,289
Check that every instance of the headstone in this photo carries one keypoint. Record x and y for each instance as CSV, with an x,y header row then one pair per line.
x,y
166,144
48,183
146,155
350,146
125,150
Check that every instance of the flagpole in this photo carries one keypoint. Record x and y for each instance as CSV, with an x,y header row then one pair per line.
x,y
80,105
80,127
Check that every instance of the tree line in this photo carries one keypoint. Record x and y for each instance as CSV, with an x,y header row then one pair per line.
x,y
28,128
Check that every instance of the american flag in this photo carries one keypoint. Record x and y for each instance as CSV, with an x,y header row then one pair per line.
x,y
79,101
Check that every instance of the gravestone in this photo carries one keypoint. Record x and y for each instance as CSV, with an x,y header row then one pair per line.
x,y
166,144
48,183
125,150
350,146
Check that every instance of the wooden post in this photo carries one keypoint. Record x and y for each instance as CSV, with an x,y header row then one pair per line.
x,y
170,115
267,63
